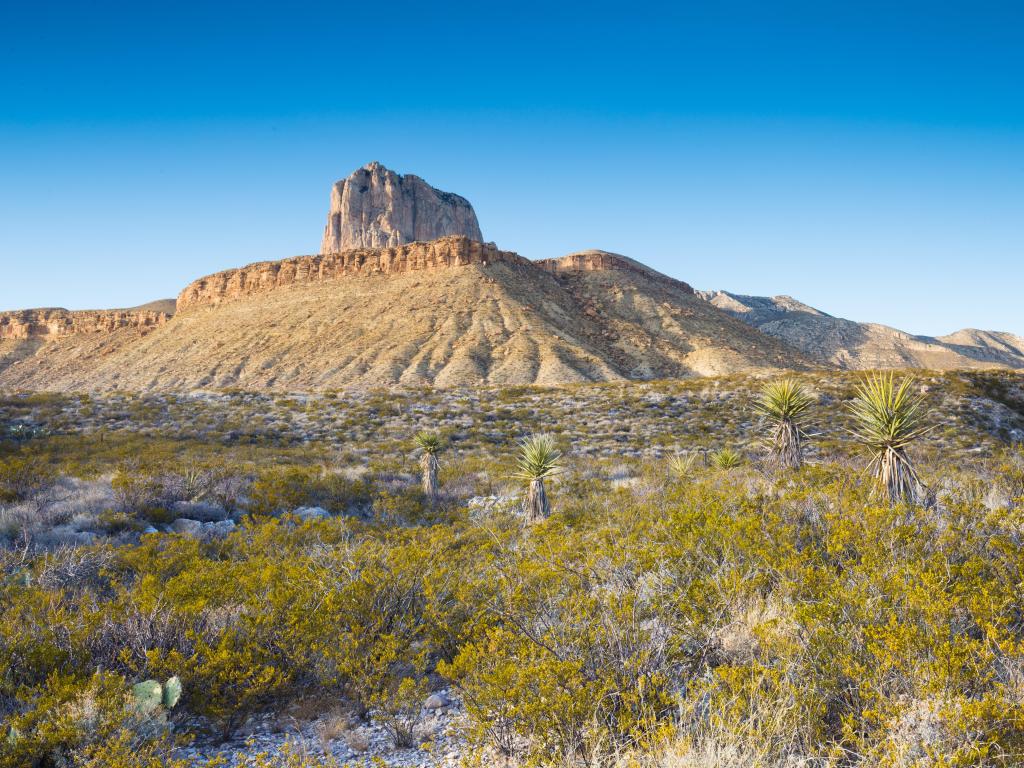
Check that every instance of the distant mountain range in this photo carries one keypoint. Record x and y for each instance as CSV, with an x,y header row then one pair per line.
x,y
847,344
406,294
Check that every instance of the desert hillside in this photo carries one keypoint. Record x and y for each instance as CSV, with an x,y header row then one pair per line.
x,y
448,313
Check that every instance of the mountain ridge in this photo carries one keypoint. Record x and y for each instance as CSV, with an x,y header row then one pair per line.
x,y
853,345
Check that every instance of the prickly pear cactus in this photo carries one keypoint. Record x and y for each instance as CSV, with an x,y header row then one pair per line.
x,y
148,695
172,692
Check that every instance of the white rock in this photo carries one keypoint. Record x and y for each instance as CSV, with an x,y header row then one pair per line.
x,y
187,525
311,513
437,700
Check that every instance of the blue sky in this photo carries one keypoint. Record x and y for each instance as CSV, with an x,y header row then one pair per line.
x,y
867,158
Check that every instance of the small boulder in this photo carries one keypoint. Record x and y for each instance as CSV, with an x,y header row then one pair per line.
x,y
204,511
66,534
221,528
187,526
437,700
311,513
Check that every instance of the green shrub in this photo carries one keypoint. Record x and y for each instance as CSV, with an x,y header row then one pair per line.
x,y
282,489
22,477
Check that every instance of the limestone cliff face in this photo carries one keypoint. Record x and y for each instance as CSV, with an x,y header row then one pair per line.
x,y
267,276
377,208
602,261
55,323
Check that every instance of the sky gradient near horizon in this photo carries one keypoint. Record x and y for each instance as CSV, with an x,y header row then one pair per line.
x,y
866,158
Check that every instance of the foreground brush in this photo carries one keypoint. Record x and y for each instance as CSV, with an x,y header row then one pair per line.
x,y
889,418
783,405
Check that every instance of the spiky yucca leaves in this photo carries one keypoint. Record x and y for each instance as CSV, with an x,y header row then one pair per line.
x,y
682,465
430,445
783,404
726,458
538,460
889,418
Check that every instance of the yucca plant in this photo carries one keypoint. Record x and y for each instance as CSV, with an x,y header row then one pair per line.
x,y
538,460
889,417
681,465
783,405
429,445
726,458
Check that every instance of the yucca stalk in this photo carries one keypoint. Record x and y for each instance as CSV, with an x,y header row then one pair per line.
x,y
783,404
429,445
888,419
726,458
538,460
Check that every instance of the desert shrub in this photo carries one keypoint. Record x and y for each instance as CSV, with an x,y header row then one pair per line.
x,y
406,506
191,481
398,708
21,478
226,680
227,487
113,522
579,662
136,488
283,489
124,750
801,622
88,721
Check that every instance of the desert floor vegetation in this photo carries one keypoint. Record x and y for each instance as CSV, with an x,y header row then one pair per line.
x,y
673,607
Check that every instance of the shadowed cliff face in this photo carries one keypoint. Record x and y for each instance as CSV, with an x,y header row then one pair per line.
x,y
377,208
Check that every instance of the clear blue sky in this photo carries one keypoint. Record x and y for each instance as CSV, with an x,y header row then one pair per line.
x,y
867,158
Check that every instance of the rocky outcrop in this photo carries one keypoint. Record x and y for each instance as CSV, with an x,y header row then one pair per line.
x,y
378,208
267,276
602,261
56,323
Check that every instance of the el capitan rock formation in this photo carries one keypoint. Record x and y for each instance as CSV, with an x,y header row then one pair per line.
x,y
406,294
377,208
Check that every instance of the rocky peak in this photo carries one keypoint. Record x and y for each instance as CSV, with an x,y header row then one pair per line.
x,y
378,208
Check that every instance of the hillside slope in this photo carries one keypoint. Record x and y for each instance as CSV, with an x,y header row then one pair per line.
x,y
451,312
